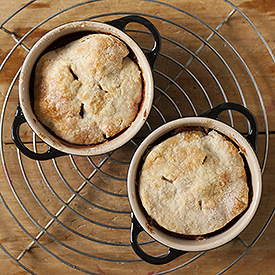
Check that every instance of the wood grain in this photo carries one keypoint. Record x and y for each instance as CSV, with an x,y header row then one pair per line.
x,y
75,234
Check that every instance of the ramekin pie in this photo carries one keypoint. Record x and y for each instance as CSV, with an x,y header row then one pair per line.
x,y
163,171
90,123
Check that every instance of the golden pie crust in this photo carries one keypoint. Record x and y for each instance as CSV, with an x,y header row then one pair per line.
x,y
194,183
89,90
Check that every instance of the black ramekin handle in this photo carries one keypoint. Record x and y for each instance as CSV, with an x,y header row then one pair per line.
x,y
19,119
136,229
121,24
252,136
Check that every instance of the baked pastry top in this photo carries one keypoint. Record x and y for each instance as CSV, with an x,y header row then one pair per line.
x,y
193,183
88,90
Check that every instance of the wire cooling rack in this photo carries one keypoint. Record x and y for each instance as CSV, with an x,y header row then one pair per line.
x,y
73,211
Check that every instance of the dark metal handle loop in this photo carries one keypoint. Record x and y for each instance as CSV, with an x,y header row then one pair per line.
x,y
252,136
19,119
136,229
121,24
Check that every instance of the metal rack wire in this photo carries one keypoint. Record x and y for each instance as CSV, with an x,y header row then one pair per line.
x,y
97,184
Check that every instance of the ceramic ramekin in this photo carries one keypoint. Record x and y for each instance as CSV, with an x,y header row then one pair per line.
x,y
25,112
176,245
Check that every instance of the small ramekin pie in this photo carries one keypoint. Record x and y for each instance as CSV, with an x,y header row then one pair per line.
x,y
194,184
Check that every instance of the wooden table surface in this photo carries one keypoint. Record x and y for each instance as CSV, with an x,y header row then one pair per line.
x,y
234,65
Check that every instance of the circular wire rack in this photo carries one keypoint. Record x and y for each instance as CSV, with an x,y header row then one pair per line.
x,y
75,209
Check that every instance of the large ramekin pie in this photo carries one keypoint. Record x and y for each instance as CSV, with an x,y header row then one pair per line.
x,y
65,34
